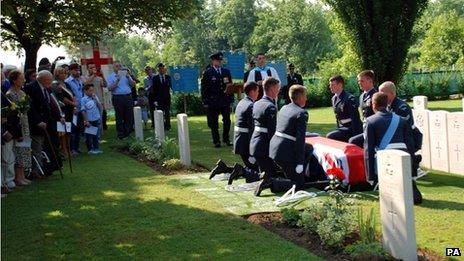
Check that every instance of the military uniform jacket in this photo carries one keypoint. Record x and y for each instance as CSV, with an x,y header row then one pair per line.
x,y
346,112
264,116
402,109
291,80
374,130
213,86
244,121
292,121
365,102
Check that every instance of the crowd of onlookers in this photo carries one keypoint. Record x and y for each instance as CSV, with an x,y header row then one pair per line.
x,y
45,112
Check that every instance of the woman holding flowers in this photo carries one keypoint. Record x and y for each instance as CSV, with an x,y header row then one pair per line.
x,y
22,142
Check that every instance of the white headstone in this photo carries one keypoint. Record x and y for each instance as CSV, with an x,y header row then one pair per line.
x,y
421,121
455,142
396,204
159,124
439,140
138,123
420,102
184,139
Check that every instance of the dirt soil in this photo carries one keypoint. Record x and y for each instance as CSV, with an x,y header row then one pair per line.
x,y
299,236
195,168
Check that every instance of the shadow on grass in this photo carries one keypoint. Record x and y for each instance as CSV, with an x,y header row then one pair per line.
x,y
441,179
442,204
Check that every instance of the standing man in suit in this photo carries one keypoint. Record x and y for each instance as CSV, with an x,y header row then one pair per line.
x,y
251,66
265,120
147,84
161,93
214,82
292,79
261,73
346,111
366,83
39,115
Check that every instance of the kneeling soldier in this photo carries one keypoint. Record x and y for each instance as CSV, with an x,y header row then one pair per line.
x,y
288,147
346,111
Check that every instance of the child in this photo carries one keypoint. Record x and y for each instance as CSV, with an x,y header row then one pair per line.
x,y
142,102
91,108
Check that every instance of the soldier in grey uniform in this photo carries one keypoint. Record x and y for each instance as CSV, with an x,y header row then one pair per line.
x,y
244,127
366,82
265,120
288,147
346,111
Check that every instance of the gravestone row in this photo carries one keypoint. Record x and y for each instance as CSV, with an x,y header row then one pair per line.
x,y
442,147
182,128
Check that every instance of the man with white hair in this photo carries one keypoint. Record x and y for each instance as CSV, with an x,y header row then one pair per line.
x,y
39,114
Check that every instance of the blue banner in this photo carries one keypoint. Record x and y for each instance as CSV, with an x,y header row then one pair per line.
x,y
281,69
184,78
235,62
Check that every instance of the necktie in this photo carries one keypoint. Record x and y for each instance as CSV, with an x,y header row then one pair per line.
x,y
46,95
162,79
218,71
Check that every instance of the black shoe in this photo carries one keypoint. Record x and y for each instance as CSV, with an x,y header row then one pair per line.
x,y
228,143
217,145
236,172
264,184
416,194
221,167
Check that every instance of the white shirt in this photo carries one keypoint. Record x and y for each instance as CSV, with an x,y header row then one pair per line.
x,y
264,76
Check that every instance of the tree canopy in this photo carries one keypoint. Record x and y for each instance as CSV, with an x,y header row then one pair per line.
x,y
30,23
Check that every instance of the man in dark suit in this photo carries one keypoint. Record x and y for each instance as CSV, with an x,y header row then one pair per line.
x,y
39,115
375,129
251,66
214,82
366,83
346,111
288,147
265,120
160,94
292,78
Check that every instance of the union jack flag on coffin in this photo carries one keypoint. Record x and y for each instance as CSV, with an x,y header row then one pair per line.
x,y
341,159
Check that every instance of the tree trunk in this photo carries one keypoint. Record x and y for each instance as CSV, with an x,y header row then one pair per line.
x,y
31,50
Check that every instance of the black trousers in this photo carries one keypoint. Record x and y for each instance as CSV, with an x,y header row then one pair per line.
x,y
268,166
357,140
104,119
251,171
167,115
340,134
123,108
213,124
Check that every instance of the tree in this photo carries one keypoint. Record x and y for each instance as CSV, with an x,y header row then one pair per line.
x,y
235,21
381,31
293,30
28,24
443,45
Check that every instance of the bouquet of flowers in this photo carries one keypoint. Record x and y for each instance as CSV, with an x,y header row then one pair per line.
x,y
21,106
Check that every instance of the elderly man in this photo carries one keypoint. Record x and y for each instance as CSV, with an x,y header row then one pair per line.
x,y
39,115
120,84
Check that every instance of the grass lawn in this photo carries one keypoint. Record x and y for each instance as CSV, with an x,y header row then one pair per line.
x,y
113,207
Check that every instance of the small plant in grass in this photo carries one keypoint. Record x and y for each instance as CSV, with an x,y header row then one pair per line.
x,y
335,227
367,251
366,226
291,216
170,148
311,217
172,164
